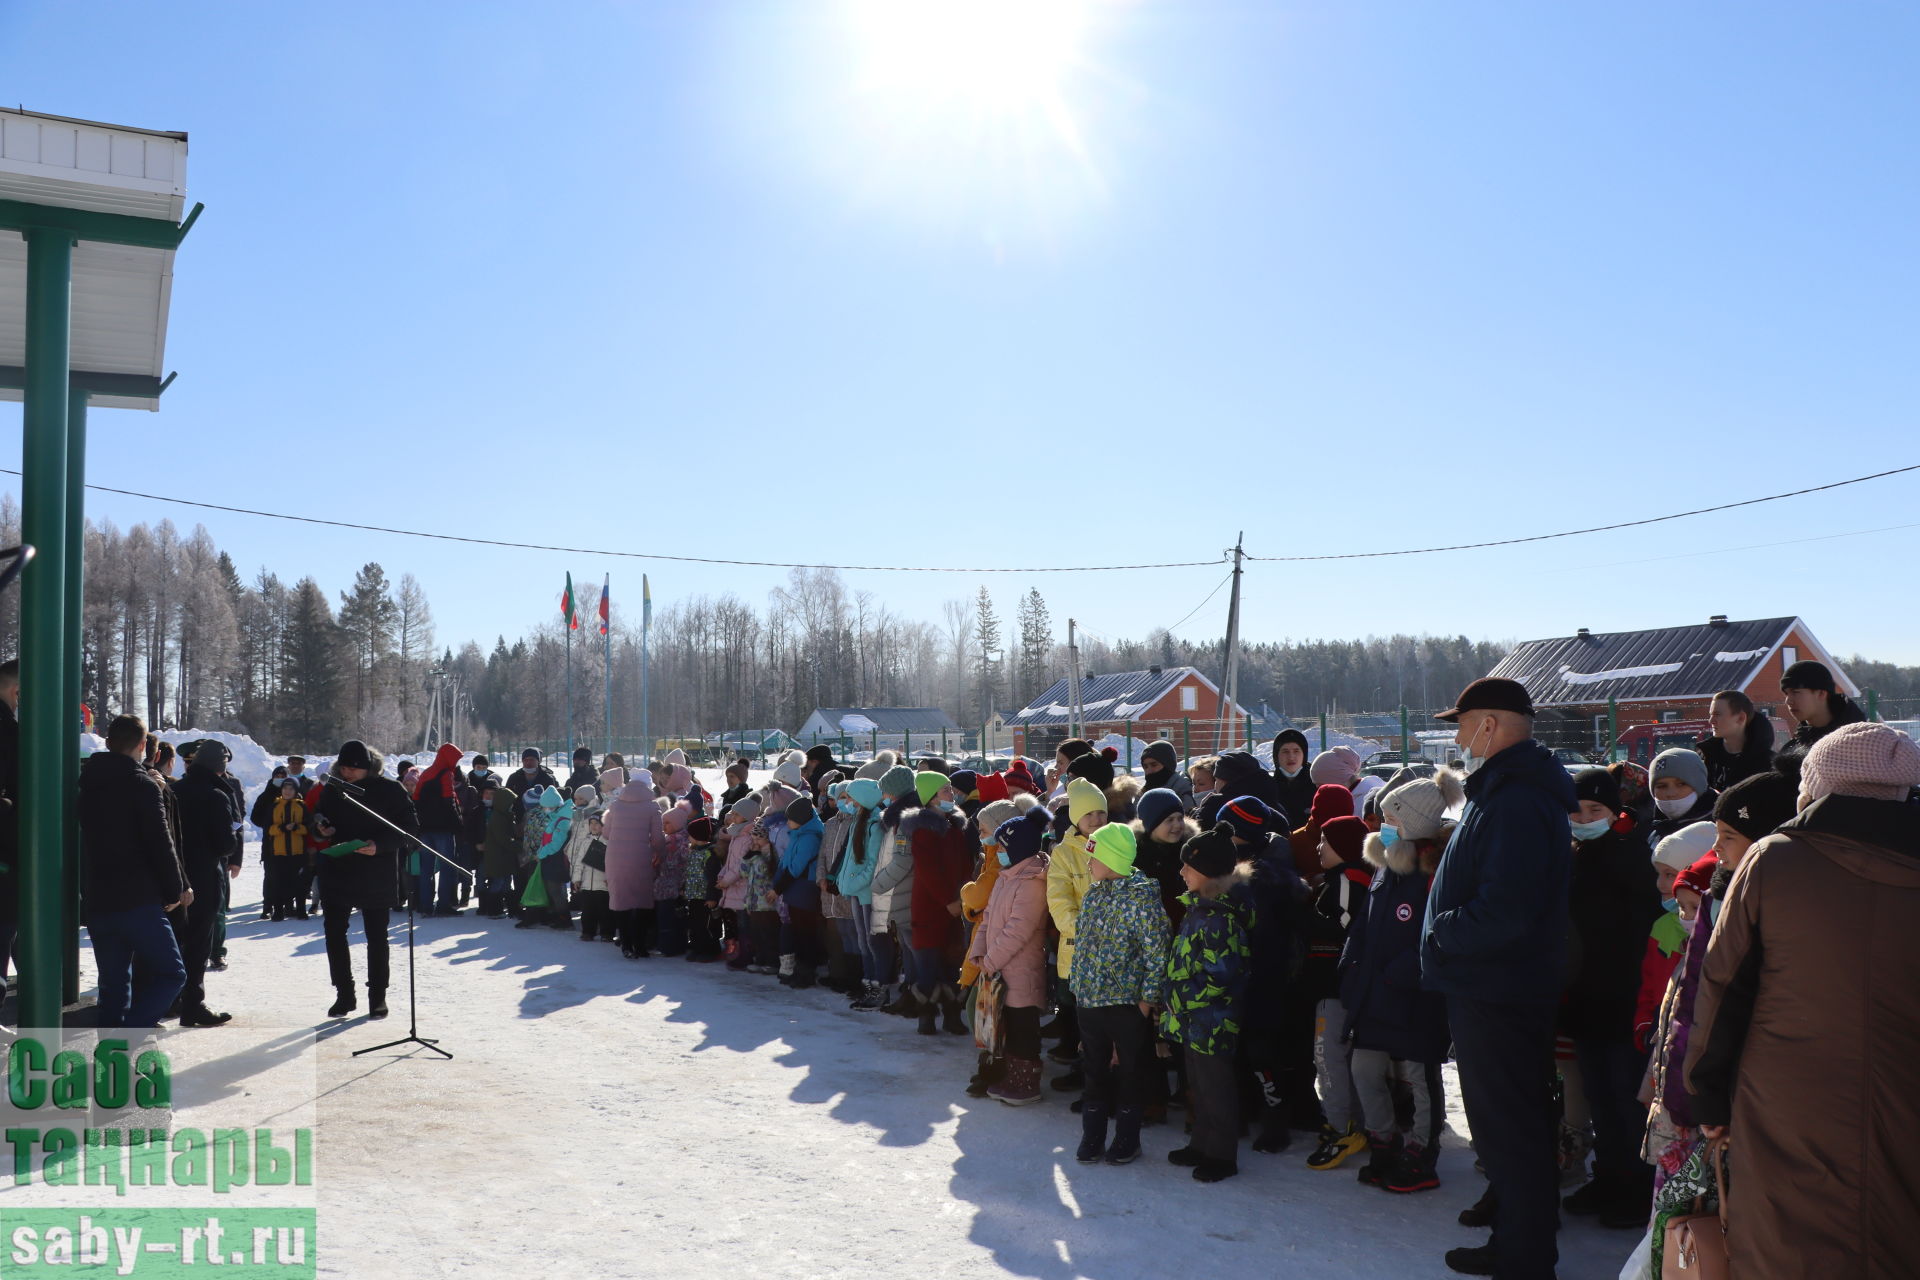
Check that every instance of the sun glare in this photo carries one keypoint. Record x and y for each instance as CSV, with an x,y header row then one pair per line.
x,y
999,56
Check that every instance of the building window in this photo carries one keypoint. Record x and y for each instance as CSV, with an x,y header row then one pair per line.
x,y
1189,698
1788,656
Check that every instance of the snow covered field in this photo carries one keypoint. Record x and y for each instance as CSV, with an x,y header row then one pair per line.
x,y
613,1118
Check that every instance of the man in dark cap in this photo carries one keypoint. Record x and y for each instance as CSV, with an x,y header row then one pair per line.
x,y
1817,706
367,877
1493,942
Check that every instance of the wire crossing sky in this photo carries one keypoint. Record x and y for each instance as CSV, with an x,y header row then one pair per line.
x,y
1073,283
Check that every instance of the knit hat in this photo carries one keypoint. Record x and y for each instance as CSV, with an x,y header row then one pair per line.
x,y
585,797
1330,800
676,817
1096,769
1339,765
1293,736
993,786
1346,836
1757,806
1114,847
1417,809
965,782
1020,778
1019,838
927,784
531,753
1211,853
934,764
1686,846
1155,807
1808,674
1161,751
679,778
1683,763
611,780
1598,786
583,753
1248,818
788,774
896,782
821,752
746,809
675,756
700,830
354,755
992,815
801,812
837,790
877,767
1084,798
1864,759
1699,875
864,792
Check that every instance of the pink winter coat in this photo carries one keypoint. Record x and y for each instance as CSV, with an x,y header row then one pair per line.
x,y
733,873
635,841
1011,938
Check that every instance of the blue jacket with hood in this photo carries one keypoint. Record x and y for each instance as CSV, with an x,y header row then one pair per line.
x,y
1496,921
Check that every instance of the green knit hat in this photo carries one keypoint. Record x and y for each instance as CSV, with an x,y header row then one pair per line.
x,y
896,782
1113,845
928,784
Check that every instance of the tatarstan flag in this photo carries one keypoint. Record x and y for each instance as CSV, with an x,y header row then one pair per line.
x,y
566,606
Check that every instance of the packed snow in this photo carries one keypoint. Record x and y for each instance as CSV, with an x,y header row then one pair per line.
x,y
610,1118
1572,677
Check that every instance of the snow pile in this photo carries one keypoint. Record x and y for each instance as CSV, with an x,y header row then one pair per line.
x,y
90,743
857,724
1745,655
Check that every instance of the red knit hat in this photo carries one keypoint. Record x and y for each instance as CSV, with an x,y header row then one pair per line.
x,y
1346,836
1329,802
1699,876
991,787
1020,778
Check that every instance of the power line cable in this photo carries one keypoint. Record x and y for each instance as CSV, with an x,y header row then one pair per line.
x,y
1599,528
1203,604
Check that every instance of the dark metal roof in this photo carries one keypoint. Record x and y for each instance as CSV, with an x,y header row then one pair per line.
x,y
1120,696
891,719
1667,663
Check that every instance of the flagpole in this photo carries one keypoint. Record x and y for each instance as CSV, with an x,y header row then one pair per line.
x,y
646,626
606,634
569,626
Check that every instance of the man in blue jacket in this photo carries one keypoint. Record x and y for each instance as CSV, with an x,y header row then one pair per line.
x,y
1493,942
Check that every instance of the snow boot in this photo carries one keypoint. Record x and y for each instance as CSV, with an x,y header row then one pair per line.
x,y
345,1004
1093,1135
786,969
1125,1147
1335,1148
1020,1083
1481,1212
1383,1155
376,1002
867,999
1187,1157
905,1004
950,1019
1414,1171
988,1071
804,977
928,1010
1072,1082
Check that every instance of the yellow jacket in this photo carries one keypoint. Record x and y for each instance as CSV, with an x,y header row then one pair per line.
x,y
281,842
973,899
1067,881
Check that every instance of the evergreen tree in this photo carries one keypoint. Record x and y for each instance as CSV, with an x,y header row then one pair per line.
x,y
310,676
1036,648
986,638
368,616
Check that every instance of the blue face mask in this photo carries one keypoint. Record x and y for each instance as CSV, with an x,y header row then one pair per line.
x,y
846,808
948,806
1670,904
1389,836
1591,830
1005,861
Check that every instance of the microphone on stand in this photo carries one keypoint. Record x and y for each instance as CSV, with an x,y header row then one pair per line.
x,y
332,779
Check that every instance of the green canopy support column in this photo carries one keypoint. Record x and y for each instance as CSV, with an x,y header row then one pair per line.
x,y
46,718
73,597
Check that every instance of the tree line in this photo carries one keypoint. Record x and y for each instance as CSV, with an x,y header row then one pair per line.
x,y
172,631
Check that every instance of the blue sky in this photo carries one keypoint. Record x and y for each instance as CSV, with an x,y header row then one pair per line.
x,y
782,281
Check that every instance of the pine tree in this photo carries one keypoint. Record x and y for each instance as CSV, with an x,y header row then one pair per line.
x,y
368,616
1036,647
986,638
310,676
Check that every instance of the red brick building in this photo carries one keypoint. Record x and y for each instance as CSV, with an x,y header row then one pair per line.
x,y
1175,703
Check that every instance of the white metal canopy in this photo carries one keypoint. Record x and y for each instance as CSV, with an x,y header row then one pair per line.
x,y
120,292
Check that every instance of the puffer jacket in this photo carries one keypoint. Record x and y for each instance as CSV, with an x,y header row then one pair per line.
x,y
854,877
1067,883
1380,968
670,871
799,866
732,879
1121,956
1207,970
1011,938
892,873
635,842
1615,900
942,858
286,835
585,879
833,848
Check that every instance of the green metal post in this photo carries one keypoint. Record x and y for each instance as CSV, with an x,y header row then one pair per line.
x,y
1249,730
875,748
72,596
46,718
906,745
1129,725
944,753
1404,756
1613,726
1323,731
1873,705
1186,737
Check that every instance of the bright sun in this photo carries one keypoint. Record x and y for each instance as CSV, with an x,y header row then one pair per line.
x,y
991,56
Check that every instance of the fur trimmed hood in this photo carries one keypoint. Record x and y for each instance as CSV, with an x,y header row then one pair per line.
x,y
1188,829
1125,793
927,818
1404,857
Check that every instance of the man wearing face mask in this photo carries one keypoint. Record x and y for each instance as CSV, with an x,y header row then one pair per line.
x,y
1681,796
1494,943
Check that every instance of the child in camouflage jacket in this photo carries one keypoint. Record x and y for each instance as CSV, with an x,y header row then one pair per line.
x,y
1207,972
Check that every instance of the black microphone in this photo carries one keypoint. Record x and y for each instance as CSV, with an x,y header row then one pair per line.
x,y
333,779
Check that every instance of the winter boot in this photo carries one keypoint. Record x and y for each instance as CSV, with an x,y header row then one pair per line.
x,y
929,1009
1481,1212
1215,1170
869,999
376,1002
1383,1154
804,976
345,1004
1072,1082
950,1020
1020,1084
1335,1147
1093,1135
1187,1157
989,1071
787,963
905,1004
1125,1148
1592,1198
1414,1171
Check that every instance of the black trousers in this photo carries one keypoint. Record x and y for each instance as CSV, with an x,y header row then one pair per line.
x,y
193,927
280,880
702,929
1023,1033
1114,1044
340,959
1505,1057
1292,1062
596,920
1213,1086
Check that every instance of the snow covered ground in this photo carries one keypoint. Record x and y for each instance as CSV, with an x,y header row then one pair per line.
x,y
613,1118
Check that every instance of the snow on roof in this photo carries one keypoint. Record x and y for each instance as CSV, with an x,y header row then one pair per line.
x,y
1122,695
1665,663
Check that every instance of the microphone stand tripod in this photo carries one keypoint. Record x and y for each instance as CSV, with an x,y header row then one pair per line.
x,y
351,793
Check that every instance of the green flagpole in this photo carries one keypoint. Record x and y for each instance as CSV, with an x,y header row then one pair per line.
x,y
566,614
646,625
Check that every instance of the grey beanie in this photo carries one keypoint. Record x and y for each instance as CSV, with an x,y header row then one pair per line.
x,y
1683,763
877,767
1417,808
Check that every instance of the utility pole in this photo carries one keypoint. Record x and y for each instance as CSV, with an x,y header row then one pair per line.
x,y
1230,683
1073,679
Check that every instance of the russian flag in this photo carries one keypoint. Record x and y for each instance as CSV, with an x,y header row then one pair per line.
x,y
604,605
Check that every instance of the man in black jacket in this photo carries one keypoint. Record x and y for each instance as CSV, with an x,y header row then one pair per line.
x,y
365,879
207,821
131,878
530,774
583,775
